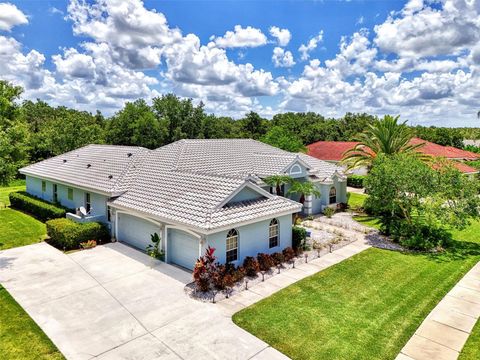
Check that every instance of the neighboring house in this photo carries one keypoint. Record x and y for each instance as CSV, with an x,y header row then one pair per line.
x,y
471,142
333,151
193,193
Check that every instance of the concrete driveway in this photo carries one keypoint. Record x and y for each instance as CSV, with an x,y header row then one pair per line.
x,y
113,302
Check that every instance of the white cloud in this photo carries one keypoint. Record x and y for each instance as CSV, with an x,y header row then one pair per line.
x,y
283,36
11,16
282,58
305,49
240,38
423,30
120,39
355,56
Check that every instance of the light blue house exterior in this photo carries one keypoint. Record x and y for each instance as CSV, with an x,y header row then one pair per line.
x,y
192,193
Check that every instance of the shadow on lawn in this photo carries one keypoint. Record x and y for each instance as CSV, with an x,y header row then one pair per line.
x,y
458,250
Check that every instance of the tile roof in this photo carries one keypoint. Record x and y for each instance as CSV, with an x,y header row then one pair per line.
x,y
330,150
448,152
185,181
105,168
334,150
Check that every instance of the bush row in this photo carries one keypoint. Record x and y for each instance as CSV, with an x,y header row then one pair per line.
x,y
210,275
355,181
38,208
66,234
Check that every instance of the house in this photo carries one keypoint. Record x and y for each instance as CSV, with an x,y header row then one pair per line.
x,y
333,151
193,193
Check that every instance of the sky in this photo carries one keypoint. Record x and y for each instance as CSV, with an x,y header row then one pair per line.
x,y
417,59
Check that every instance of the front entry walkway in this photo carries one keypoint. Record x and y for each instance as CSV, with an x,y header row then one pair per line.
x,y
113,302
286,278
444,332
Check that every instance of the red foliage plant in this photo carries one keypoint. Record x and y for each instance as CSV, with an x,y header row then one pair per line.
x,y
204,269
250,264
265,261
288,253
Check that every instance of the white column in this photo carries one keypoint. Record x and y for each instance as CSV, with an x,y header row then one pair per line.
x,y
308,204
165,232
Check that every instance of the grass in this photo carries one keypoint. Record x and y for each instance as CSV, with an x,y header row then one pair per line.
x,y
17,185
355,200
20,337
19,229
368,220
366,307
471,350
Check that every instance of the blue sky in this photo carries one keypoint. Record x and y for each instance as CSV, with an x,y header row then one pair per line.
x,y
417,59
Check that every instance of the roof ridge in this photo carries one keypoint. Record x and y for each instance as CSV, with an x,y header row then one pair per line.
x,y
143,152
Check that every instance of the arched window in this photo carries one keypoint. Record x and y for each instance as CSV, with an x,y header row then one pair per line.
x,y
273,233
232,246
333,195
295,170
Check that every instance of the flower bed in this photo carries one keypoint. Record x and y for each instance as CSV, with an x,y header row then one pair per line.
x,y
215,282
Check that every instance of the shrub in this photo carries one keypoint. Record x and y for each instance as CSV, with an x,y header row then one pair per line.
x,y
418,236
238,274
66,234
153,249
328,212
90,244
205,269
299,235
278,258
38,208
288,253
265,261
355,181
251,266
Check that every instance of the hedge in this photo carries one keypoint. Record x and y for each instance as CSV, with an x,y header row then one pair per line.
x,y
66,234
355,181
38,208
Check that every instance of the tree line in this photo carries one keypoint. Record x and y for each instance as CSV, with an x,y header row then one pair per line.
x,y
31,131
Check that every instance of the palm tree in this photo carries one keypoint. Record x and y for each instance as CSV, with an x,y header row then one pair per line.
x,y
304,188
384,136
277,181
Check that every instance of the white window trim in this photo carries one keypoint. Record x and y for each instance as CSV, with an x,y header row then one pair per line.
x,y
237,236
277,225
295,169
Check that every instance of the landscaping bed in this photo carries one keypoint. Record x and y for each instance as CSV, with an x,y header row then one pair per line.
x,y
366,307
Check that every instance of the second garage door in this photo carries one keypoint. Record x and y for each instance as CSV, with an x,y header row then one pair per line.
x,y
135,231
182,248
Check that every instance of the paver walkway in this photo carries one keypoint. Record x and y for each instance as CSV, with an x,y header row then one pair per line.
x,y
445,330
271,285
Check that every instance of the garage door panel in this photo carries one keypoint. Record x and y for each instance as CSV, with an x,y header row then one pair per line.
x,y
135,231
182,248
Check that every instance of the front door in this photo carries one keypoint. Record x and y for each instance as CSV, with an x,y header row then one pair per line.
x,y
87,202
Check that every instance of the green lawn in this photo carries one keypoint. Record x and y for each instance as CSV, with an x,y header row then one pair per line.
x,y
18,185
355,200
20,337
471,350
18,229
366,307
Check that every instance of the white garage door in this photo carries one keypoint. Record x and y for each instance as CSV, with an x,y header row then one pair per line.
x,y
135,231
182,248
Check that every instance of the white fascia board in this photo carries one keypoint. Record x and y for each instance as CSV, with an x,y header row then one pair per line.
x,y
66,183
246,184
198,229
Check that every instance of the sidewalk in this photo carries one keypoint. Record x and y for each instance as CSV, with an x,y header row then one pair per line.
x,y
445,330
271,285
